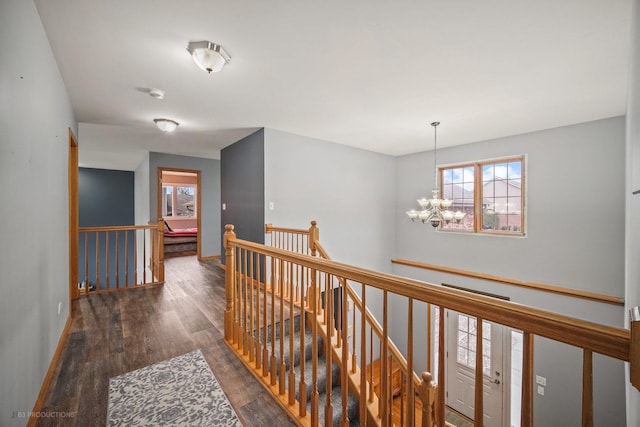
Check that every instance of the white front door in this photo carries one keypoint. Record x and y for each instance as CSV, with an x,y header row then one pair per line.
x,y
460,365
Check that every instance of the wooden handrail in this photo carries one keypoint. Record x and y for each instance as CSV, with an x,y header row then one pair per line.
x,y
606,340
118,228
577,293
268,228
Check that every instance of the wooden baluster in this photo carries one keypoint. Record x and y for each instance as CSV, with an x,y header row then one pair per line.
x,y
441,369
344,383
144,258
478,410
135,257
384,375
283,368
587,388
237,284
353,339
107,267
363,358
314,345
126,259
257,332
427,394
274,375
371,365
86,263
251,331
117,260
429,346
245,298
410,392
329,322
265,340
302,388
230,270
292,336
526,417
97,261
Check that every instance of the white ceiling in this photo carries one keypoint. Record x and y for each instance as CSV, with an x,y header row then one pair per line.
x,y
370,74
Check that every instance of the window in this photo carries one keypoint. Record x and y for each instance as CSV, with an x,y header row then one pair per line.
x,y
178,201
490,193
467,339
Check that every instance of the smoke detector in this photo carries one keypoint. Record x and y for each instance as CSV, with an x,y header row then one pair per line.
x,y
156,93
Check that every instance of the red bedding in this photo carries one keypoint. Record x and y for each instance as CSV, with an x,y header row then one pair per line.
x,y
182,232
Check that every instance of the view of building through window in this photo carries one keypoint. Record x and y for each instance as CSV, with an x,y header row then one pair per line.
x,y
491,193
178,201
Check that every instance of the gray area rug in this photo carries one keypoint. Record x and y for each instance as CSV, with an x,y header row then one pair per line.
x,y
178,392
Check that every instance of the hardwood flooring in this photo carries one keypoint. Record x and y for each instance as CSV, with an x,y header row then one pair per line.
x,y
117,332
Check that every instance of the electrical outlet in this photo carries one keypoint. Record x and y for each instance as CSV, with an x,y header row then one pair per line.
x,y
541,380
541,390
272,206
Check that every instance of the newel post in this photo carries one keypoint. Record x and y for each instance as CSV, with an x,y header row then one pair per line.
x,y
634,352
230,275
314,237
160,250
427,394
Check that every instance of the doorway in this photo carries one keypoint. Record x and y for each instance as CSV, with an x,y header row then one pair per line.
x,y
460,367
179,202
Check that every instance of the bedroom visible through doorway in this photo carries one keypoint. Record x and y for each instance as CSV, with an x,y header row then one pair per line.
x,y
179,207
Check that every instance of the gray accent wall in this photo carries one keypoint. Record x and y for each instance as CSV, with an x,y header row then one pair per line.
x,y
35,117
632,290
243,187
575,169
209,193
106,197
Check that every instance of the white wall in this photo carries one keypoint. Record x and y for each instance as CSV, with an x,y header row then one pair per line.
x,y
141,192
577,169
632,290
35,115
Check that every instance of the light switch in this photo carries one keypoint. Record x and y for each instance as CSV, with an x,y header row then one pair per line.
x,y
224,206
541,380
272,206
541,390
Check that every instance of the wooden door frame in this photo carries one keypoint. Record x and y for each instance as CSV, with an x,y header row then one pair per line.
x,y
74,292
198,200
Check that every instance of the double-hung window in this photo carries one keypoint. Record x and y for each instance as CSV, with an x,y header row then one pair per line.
x,y
490,193
178,200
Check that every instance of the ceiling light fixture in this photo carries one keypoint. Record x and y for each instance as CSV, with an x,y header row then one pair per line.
x,y
156,93
209,56
166,125
435,210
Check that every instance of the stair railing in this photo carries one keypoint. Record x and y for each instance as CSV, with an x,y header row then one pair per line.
x,y
120,257
252,269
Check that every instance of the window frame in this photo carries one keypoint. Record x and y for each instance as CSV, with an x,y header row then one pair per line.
x,y
174,201
478,196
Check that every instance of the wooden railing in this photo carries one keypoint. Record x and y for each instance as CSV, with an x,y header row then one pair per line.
x,y
121,257
265,284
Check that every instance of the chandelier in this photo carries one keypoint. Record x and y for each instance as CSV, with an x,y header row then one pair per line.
x,y
435,210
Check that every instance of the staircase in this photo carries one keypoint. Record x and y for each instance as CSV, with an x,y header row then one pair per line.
x,y
303,360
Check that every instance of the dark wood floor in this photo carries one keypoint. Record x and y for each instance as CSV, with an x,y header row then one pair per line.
x,y
122,331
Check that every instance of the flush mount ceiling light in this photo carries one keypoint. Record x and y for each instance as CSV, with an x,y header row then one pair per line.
x,y
166,125
209,56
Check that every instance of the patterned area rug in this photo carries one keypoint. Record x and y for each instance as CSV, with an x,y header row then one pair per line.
x,y
179,392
